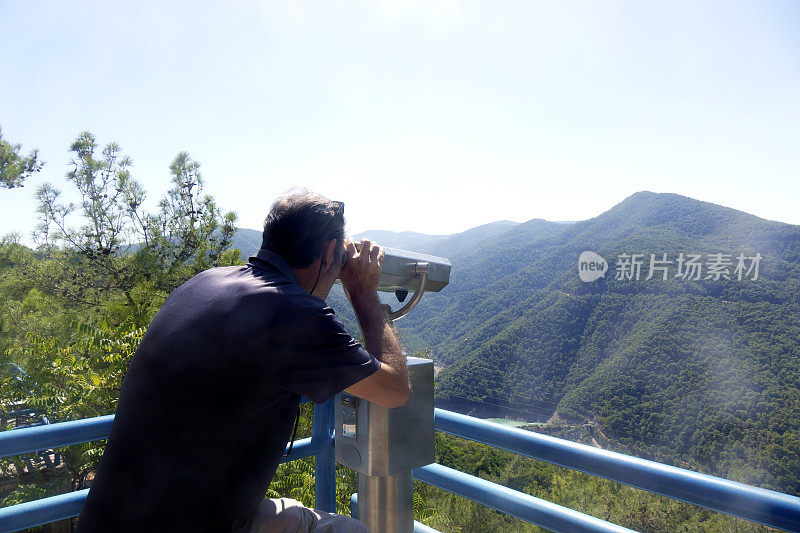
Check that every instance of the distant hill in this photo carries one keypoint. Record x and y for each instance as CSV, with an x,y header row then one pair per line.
x,y
248,241
407,240
440,245
701,372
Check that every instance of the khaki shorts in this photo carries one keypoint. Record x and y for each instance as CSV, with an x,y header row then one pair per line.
x,y
285,515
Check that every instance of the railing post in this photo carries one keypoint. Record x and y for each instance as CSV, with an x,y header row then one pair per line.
x,y
324,464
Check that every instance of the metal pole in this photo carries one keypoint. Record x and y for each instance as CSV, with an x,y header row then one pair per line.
x,y
324,464
386,504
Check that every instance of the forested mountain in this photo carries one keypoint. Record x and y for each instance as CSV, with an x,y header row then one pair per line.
x,y
701,372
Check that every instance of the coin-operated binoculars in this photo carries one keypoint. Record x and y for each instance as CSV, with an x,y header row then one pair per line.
x,y
385,445
403,271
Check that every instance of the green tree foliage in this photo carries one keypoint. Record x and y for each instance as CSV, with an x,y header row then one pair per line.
x,y
122,257
16,168
27,311
74,310
66,379
75,378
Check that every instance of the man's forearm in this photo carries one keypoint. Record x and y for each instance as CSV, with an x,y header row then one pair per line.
x,y
379,336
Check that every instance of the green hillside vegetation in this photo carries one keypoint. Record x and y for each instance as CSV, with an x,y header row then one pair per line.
x,y
703,374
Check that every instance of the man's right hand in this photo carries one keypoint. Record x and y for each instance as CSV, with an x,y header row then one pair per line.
x,y
388,386
360,275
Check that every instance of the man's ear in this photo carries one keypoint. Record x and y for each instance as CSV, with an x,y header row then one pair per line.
x,y
330,253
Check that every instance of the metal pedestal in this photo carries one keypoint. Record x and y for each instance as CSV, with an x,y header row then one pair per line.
x,y
384,446
386,503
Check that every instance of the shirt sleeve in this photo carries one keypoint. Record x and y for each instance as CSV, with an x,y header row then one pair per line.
x,y
325,359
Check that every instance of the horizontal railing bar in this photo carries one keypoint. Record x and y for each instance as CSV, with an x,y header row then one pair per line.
x,y
43,511
760,505
305,448
529,508
62,506
752,503
36,438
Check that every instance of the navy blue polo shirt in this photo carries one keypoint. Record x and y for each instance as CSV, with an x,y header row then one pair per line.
x,y
208,403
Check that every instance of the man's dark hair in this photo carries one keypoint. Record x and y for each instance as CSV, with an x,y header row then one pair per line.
x,y
298,226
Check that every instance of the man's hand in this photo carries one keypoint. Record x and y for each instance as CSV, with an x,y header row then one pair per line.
x,y
388,386
360,275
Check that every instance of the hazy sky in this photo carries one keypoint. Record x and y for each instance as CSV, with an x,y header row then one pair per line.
x,y
419,115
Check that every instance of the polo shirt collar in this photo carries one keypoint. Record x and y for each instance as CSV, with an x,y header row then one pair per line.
x,y
271,258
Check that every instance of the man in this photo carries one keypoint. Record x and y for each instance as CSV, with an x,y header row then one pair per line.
x,y
211,395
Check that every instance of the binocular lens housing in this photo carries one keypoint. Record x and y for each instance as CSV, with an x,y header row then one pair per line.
x,y
401,269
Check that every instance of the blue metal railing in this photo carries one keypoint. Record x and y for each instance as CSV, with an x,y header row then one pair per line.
x,y
529,508
63,506
760,505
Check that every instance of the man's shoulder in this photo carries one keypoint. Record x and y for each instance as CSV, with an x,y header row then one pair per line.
x,y
300,302
264,299
236,288
270,287
244,278
212,274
